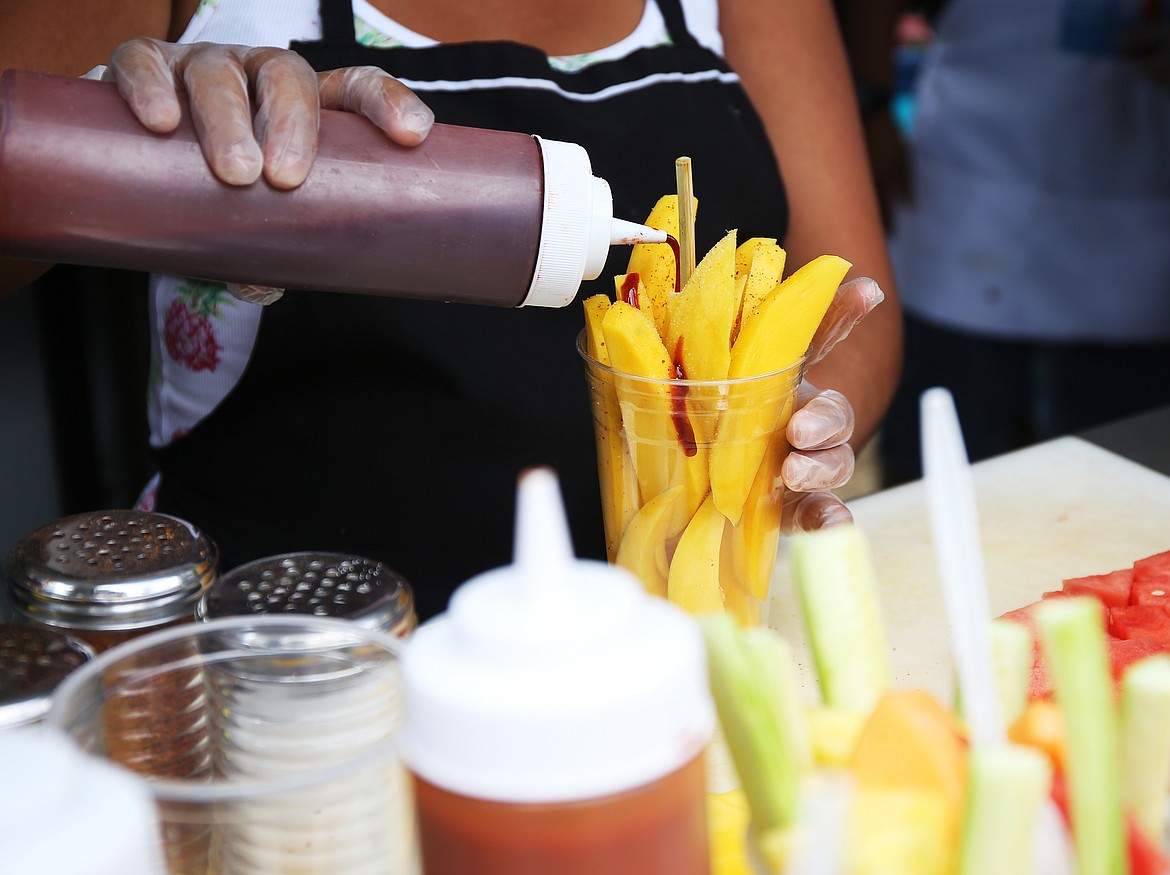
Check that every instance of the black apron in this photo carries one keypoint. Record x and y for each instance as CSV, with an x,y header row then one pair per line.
x,y
396,429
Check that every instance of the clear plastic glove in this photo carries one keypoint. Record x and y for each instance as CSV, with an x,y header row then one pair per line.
x,y
224,81
821,458
256,110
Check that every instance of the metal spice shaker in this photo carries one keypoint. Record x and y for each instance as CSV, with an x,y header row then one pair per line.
x,y
323,584
108,577
32,662
111,575
274,710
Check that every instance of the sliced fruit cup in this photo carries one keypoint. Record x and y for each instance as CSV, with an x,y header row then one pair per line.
x,y
691,490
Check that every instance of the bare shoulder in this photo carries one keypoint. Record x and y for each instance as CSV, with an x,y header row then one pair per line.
x,y
72,36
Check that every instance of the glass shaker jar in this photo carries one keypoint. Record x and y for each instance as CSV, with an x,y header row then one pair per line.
x,y
33,662
322,584
109,576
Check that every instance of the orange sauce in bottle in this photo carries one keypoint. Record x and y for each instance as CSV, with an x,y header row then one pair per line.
x,y
657,828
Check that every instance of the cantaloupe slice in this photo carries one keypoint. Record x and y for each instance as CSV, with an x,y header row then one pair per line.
x,y
911,744
911,741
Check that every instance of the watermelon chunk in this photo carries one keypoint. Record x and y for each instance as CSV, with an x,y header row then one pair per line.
x,y
1151,580
1112,588
1140,621
1123,653
1040,686
1144,857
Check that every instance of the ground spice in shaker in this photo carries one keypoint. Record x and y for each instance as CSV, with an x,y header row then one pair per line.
x,y
108,577
322,584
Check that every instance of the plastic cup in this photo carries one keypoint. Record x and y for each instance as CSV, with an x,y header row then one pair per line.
x,y
268,744
690,482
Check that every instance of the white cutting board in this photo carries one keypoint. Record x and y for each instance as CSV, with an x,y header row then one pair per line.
x,y
1061,509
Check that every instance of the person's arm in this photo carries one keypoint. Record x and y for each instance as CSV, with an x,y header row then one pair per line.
x,y
792,63
69,38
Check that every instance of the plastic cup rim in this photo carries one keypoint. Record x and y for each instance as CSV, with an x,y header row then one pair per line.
x,y
796,369
220,790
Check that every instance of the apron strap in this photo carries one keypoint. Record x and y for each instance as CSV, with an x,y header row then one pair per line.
x,y
676,22
337,22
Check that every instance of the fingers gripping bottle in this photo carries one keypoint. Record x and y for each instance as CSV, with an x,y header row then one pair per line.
x,y
555,717
471,215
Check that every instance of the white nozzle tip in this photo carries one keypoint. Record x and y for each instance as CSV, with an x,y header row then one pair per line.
x,y
542,542
623,232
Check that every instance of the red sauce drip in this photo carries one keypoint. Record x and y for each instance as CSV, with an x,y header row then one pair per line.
x,y
674,247
629,290
678,406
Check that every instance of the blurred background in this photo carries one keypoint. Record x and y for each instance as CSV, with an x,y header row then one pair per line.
x,y
74,355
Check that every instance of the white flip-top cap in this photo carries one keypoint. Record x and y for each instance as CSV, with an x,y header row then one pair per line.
x,y
577,227
553,679
64,812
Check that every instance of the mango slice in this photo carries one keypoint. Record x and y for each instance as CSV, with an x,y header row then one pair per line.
x,y
699,319
759,264
780,329
619,486
737,600
635,347
728,819
693,582
893,831
654,262
756,537
651,415
646,539
595,307
771,339
834,733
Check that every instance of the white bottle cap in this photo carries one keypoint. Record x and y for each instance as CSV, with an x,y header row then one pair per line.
x,y
577,227
553,679
63,812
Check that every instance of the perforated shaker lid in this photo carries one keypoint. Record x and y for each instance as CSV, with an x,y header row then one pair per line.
x,y
553,679
577,226
111,570
33,661
324,584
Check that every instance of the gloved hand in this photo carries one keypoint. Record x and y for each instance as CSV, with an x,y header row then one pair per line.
x,y
819,430
280,139
222,84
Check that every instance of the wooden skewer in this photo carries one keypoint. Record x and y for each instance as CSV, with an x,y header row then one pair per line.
x,y
686,220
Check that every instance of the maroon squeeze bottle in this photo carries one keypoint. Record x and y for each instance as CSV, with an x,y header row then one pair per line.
x,y
469,215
